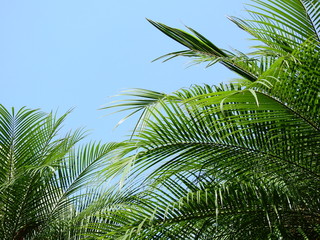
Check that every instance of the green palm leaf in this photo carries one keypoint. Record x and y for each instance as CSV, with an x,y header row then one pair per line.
x,y
235,161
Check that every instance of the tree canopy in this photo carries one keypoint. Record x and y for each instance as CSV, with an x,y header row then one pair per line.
x,y
239,160
234,161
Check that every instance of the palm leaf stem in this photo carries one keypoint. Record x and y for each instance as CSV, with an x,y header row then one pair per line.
x,y
294,112
237,147
310,20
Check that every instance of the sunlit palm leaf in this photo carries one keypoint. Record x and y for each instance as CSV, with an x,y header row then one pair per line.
x,y
238,161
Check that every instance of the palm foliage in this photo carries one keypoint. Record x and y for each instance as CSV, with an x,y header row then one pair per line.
x,y
235,161
45,181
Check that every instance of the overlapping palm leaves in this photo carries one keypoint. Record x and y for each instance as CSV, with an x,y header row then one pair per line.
x,y
232,161
45,182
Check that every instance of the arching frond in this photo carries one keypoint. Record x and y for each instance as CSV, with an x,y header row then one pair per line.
x,y
282,25
235,161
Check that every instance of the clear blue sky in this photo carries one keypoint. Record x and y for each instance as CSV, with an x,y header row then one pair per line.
x,y
62,54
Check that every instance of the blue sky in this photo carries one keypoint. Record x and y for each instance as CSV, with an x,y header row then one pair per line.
x,y
63,54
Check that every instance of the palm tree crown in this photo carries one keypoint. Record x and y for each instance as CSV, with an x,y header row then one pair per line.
x,y
235,161
45,182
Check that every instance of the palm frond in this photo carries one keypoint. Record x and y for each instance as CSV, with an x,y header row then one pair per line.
x,y
203,50
235,161
282,25
145,101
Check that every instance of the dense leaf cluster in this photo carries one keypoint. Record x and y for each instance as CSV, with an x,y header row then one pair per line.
x,y
233,161
236,161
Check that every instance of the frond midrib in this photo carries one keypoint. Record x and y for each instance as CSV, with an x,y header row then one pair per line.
x,y
237,147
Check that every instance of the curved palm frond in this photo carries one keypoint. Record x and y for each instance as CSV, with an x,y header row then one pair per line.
x,y
147,101
192,137
215,210
235,161
282,25
203,50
